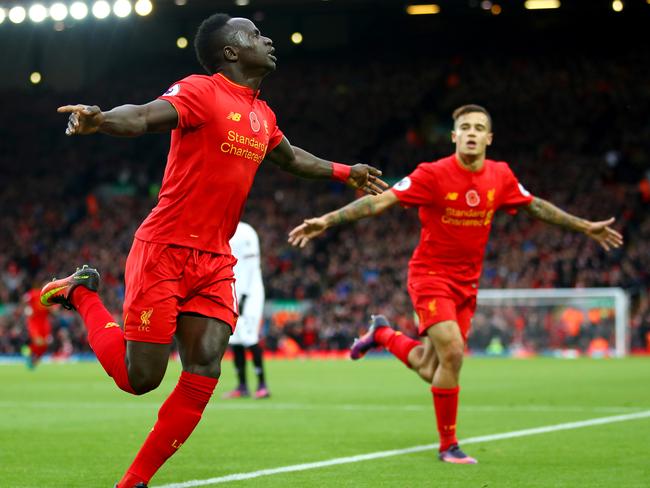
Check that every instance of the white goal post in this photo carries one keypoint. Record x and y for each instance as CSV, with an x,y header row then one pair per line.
x,y
554,300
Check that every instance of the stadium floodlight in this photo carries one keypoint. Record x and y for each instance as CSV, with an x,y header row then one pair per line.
x,y
78,10
617,6
143,7
242,3
37,13
296,38
181,43
101,9
17,14
122,8
35,78
427,9
58,11
2,15
541,4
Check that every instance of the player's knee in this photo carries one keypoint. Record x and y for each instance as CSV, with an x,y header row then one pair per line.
x,y
211,369
142,384
426,373
143,380
452,356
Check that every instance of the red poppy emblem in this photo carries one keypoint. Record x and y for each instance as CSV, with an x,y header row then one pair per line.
x,y
255,122
472,198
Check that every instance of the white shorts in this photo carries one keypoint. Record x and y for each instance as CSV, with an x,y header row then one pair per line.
x,y
247,331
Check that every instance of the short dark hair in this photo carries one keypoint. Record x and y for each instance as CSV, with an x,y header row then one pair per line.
x,y
471,108
209,41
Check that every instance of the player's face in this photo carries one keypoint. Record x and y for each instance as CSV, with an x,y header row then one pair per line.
x,y
472,134
256,50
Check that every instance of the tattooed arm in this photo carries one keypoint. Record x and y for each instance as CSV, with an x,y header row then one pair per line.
x,y
599,231
359,209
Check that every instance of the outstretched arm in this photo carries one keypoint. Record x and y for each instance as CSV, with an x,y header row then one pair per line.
x,y
363,207
599,231
124,121
302,163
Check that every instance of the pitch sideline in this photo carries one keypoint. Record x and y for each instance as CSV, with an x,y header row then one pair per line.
x,y
409,450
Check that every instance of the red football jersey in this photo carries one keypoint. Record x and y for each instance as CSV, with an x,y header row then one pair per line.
x,y
456,208
224,132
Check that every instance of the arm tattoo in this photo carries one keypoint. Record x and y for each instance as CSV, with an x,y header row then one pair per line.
x,y
547,212
363,207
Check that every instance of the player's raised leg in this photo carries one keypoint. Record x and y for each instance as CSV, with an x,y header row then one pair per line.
x,y
449,348
381,334
202,342
79,291
136,367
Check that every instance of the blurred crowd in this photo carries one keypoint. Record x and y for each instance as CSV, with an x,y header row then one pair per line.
x,y
574,129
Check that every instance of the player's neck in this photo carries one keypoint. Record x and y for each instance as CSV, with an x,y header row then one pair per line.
x,y
471,162
249,80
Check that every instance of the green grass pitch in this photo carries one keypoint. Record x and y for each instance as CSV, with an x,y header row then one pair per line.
x,y
67,425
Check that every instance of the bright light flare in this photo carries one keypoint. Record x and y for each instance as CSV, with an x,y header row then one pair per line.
x,y
78,10
101,9
181,43
617,6
17,14
427,9
122,8
143,7
541,4
37,13
3,14
35,78
296,38
58,11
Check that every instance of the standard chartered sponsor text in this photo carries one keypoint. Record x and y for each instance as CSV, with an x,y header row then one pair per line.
x,y
467,218
244,147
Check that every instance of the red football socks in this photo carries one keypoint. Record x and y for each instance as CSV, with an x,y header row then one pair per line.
x,y
397,343
177,418
104,335
445,401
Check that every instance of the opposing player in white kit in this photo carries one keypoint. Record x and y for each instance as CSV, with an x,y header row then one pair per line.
x,y
245,246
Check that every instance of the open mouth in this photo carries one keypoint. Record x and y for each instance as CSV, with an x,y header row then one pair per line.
x,y
471,145
272,57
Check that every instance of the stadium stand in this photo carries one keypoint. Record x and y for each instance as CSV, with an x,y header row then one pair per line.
x,y
575,131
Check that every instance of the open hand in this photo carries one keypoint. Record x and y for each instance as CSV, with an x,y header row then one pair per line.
x,y
604,234
306,231
366,178
83,120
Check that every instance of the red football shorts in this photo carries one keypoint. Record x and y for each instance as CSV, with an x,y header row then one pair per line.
x,y
164,280
438,299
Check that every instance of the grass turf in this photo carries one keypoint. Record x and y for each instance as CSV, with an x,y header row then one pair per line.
x,y
66,425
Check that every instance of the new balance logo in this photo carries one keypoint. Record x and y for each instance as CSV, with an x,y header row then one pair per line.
x,y
234,116
111,324
451,196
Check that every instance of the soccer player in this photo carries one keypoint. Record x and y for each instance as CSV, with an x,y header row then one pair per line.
x,y
38,326
456,198
245,245
179,277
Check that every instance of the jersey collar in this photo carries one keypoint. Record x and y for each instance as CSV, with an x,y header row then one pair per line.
x,y
237,86
464,169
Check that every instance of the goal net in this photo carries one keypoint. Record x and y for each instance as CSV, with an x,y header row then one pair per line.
x,y
563,322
